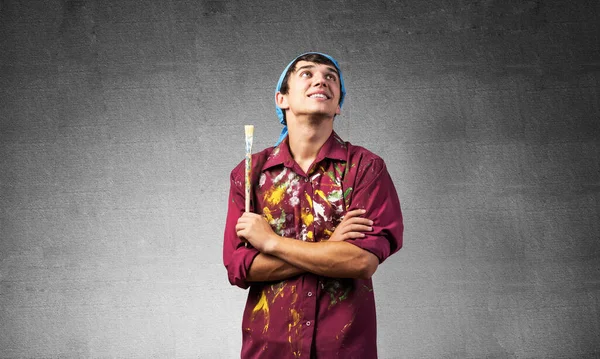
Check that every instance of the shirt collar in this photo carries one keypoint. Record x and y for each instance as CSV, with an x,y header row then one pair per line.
x,y
334,148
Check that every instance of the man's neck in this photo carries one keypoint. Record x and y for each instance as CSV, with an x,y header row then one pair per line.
x,y
306,137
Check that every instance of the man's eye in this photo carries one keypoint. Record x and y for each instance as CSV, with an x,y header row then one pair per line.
x,y
331,77
305,74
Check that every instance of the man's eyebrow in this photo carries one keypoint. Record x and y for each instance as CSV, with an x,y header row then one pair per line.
x,y
331,69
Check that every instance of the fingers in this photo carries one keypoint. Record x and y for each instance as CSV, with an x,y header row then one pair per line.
x,y
248,216
239,229
358,228
352,235
356,224
354,213
354,217
251,226
248,219
358,221
357,231
339,237
352,226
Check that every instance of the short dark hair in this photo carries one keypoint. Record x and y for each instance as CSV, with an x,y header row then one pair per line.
x,y
311,57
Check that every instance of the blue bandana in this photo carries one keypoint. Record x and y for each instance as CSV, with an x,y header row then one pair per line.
x,y
279,111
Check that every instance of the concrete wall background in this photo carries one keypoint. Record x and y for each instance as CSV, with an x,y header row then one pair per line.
x,y
120,122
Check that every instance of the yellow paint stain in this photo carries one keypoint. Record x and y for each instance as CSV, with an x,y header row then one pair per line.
x,y
262,306
309,200
327,232
306,215
321,194
275,195
278,293
294,333
344,329
293,294
310,235
295,318
307,218
267,214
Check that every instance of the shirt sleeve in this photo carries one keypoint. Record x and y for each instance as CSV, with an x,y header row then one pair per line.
x,y
375,192
236,256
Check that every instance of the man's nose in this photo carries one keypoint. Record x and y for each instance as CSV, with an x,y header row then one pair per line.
x,y
319,79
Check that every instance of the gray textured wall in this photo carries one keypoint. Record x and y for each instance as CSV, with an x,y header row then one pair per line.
x,y
120,122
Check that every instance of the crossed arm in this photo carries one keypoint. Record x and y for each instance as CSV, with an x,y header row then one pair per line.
x,y
282,257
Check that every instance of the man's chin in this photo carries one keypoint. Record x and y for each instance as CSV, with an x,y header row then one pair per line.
x,y
321,116
323,113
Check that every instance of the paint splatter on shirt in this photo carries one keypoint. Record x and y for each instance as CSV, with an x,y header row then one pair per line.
x,y
310,315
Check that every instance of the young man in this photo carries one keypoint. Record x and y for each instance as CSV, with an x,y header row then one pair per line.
x,y
325,215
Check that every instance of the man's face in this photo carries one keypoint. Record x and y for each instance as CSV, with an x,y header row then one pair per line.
x,y
313,89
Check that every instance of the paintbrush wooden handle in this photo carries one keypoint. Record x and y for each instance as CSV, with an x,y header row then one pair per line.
x,y
249,129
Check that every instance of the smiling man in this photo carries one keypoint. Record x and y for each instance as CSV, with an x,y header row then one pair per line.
x,y
325,215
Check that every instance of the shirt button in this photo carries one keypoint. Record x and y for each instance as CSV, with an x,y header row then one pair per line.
x,y
308,324
310,294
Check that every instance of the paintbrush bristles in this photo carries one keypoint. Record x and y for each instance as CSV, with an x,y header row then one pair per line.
x,y
249,129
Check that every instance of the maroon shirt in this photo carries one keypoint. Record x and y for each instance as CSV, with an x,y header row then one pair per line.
x,y
311,316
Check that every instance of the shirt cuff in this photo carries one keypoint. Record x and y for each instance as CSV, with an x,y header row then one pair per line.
x,y
238,267
377,245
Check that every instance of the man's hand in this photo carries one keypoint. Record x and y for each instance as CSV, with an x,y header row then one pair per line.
x,y
254,228
352,226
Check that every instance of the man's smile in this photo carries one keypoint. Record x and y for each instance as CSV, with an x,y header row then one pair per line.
x,y
320,95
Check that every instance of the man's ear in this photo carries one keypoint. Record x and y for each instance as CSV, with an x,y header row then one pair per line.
x,y
338,110
281,101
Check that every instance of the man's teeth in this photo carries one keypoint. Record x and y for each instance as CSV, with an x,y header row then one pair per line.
x,y
318,95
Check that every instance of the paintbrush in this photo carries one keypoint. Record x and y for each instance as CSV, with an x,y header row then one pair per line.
x,y
249,138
